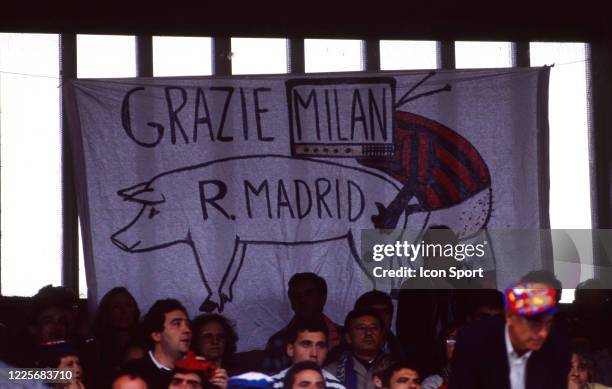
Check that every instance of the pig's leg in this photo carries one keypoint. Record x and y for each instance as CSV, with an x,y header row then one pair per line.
x,y
226,289
206,306
212,252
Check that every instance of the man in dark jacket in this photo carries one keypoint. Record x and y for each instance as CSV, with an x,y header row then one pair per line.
x,y
168,333
518,351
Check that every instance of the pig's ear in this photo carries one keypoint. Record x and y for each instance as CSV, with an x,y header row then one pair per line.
x,y
143,194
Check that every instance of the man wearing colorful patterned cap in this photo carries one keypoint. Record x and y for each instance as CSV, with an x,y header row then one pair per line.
x,y
516,351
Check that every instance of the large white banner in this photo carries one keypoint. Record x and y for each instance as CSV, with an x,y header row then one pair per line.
x,y
215,190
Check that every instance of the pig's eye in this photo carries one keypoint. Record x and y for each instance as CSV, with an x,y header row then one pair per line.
x,y
153,212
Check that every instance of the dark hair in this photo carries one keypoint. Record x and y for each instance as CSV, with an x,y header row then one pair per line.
x,y
231,337
489,298
588,361
206,384
154,319
298,367
131,371
51,355
373,297
311,325
545,277
357,313
51,296
102,321
385,376
312,277
382,364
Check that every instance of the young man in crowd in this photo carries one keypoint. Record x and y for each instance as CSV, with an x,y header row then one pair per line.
x,y
168,336
304,375
307,341
366,338
127,379
401,375
518,351
307,294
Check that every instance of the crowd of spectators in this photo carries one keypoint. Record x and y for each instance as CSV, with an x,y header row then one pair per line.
x,y
522,338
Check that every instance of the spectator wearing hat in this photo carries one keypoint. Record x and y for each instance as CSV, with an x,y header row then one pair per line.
x,y
517,351
194,372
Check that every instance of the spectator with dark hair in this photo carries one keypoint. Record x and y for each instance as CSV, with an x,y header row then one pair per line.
x,y
63,355
486,303
116,327
304,375
581,373
427,305
365,337
128,379
54,317
168,335
545,277
307,293
381,302
593,320
518,351
446,348
307,341
401,375
379,369
214,338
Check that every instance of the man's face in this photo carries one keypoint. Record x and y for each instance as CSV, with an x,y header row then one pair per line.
x,y
175,338
51,325
306,299
528,334
212,341
72,362
185,381
308,346
308,379
405,379
385,312
365,335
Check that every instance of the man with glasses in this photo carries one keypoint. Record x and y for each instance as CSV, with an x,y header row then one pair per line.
x,y
517,351
365,336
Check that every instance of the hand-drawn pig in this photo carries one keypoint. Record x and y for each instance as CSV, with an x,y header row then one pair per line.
x,y
219,207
